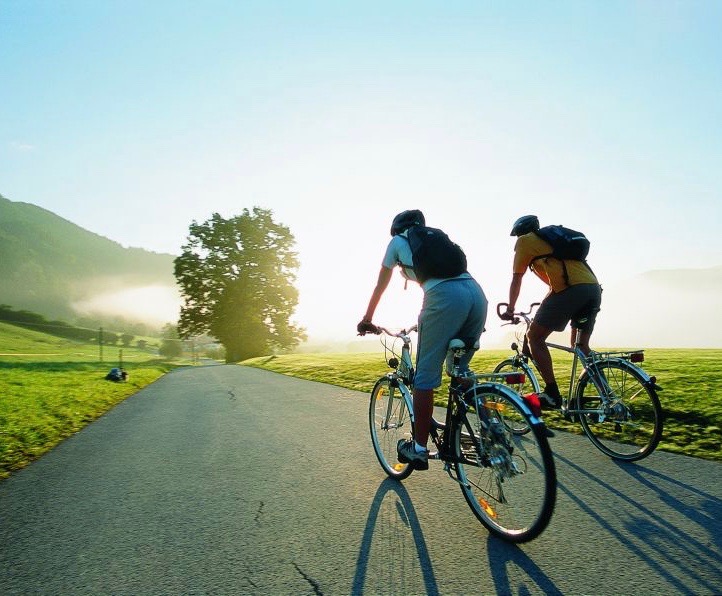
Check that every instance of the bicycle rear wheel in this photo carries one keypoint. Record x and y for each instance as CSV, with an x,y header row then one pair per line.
x,y
630,426
516,423
389,422
508,480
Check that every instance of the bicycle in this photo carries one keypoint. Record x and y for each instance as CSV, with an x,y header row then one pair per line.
x,y
613,399
509,481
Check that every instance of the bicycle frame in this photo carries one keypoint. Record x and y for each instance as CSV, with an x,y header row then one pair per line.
x,y
579,356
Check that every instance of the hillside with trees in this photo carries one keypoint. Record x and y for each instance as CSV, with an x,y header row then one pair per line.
x,y
48,263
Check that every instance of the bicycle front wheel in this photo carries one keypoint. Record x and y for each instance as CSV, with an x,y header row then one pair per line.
x,y
515,423
628,424
389,422
508,480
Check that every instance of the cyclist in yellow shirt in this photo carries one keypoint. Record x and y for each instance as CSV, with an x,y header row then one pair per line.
x,y
574,295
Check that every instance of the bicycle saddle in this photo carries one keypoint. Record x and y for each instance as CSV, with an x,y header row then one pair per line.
x,y
460,344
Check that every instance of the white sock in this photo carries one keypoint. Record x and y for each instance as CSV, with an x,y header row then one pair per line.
x,y
419,448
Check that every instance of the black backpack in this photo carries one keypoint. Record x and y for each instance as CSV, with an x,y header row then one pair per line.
x,y
434,254
567,244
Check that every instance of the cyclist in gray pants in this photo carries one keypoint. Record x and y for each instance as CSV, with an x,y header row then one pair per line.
x,y
453,307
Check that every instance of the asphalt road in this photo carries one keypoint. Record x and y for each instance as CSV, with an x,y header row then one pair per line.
x,y
231,480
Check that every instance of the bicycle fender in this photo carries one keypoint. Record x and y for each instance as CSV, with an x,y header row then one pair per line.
x,y
646,378
514,397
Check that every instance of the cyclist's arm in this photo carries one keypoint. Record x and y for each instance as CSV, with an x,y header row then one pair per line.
x,y
514,289
522,259
381,285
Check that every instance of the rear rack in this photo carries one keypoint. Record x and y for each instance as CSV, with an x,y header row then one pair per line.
x,y
631,355
509,378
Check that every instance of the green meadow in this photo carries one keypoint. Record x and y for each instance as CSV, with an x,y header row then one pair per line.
x,y
51,388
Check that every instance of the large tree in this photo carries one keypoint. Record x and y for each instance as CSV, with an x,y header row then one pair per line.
x,y
236,278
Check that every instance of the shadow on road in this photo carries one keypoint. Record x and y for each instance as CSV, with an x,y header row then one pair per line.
x,y
655,533
387,526
394,557
709,516
502,556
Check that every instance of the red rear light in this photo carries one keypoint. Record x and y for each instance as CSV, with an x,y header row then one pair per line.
x,y
515,378
636,357
532,400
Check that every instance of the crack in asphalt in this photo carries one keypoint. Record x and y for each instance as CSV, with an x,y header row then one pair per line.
x,y
259,512
310,580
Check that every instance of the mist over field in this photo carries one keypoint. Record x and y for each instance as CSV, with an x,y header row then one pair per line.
x,y
153,305
664,308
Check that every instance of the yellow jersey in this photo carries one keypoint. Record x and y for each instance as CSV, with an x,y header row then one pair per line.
x,y
549,270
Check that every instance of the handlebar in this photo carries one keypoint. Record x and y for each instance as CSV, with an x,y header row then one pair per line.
x,y
365,327
517,317
400,334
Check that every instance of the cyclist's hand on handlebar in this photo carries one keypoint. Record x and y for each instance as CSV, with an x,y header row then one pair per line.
x,y
505,314
365,327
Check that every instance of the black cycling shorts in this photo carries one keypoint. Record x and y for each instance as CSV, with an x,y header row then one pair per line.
x,y
579,304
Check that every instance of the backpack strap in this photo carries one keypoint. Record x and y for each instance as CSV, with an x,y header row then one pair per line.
x,y
564,265
403,265
399,262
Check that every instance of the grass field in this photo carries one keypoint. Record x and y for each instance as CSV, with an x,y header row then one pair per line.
x,y
51,388
691,382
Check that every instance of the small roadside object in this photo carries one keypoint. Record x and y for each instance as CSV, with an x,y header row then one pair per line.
x,y
117,374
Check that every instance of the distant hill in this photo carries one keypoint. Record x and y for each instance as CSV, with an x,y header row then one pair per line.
x,y
50,265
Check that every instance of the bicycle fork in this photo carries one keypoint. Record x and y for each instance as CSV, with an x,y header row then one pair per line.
x,y
405,403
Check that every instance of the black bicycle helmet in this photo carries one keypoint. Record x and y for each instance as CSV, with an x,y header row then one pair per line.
x,y
524,225
404,220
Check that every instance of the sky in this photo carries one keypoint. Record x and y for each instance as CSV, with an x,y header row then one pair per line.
x,y
132,119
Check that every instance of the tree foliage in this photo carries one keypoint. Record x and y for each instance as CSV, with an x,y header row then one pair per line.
x,y
236,278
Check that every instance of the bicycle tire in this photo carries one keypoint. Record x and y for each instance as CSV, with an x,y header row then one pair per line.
x,y
632,429
517,424
508,480
389,421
